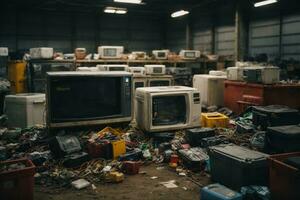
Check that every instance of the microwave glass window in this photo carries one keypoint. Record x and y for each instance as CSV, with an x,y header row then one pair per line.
x,y
85,98
190,54
161,54
110,52
116,69
139,84
158,83
168,110
157,70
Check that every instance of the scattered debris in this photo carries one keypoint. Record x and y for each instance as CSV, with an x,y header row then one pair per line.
x,y
169,184
80,184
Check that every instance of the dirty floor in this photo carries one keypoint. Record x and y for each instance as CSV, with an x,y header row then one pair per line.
x,y
134,187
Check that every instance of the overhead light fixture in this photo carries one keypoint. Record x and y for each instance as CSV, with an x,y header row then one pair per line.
x,y
179,13
114,10
129,1
263,3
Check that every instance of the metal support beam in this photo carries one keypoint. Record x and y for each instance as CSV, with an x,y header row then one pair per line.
x,y
241,30
280,30
188,34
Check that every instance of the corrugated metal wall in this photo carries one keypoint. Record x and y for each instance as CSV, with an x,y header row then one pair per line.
x,y
64,32
176,33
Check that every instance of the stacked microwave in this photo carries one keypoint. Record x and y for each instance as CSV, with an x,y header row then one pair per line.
x,y
110,52
161,54
189,54
119,68
167,108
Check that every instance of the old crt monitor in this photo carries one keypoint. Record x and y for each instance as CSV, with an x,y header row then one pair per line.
x,y
88,98
167,108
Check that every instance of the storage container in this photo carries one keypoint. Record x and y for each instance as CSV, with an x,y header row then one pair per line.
x,y
282,139
193,158
17,76
214,119
284,179
235,73
16,184
195,135
277,94
274,115
265,75
235,166
100,149
41,53
131,167
118,148
25,109
211,89
219,192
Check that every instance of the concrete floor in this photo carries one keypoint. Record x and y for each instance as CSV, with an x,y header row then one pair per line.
x,y
134,187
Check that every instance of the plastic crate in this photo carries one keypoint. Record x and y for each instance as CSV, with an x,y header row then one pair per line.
x,y
235,166
17,184
284,179
214,119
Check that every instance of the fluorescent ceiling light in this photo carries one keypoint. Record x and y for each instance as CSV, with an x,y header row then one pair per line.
x,y
129,1
263,3
179,13
114,10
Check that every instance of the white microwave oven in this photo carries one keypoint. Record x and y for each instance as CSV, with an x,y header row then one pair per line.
x,y
157,81
189,54
116,68
110,52
161,54
155,69
167,108
261,74
140,71
87,69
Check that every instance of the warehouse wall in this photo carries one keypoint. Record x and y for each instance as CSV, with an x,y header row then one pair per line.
x,y
66,31
205,25
276,36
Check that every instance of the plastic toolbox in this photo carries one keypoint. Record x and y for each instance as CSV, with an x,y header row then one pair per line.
x,y
17,183
284,179
219,192
282,139
214,119
195,135
235,166
193,158
274,115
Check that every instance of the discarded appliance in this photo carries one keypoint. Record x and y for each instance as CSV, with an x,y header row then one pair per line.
x,y
41,53
117,68
173,107
219,192
155,69
161,54
195,135
194,158
265,75
97,97
189,54
110,52
25,109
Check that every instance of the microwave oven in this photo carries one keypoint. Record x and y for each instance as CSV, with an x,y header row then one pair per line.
x,y
139,71
41,53
235,73
211,89
88,98
265,75
87,69
119,68
155,69
167,108
161,54
189,54
156,81
110,52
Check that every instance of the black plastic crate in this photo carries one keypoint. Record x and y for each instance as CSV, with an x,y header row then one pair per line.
x,y
235,166
282,139
195,135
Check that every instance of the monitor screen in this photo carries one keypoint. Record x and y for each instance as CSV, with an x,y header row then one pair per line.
x,y
110,52
190,54
156,83
85,98
168,110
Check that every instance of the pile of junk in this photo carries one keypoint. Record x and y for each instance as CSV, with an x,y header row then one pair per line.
x,y
245,156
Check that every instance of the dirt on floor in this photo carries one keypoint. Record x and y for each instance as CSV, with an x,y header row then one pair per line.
x,y
134,187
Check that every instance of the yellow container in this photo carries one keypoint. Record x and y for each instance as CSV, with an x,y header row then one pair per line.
x,y
17,76
118,148
214,119
115,177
